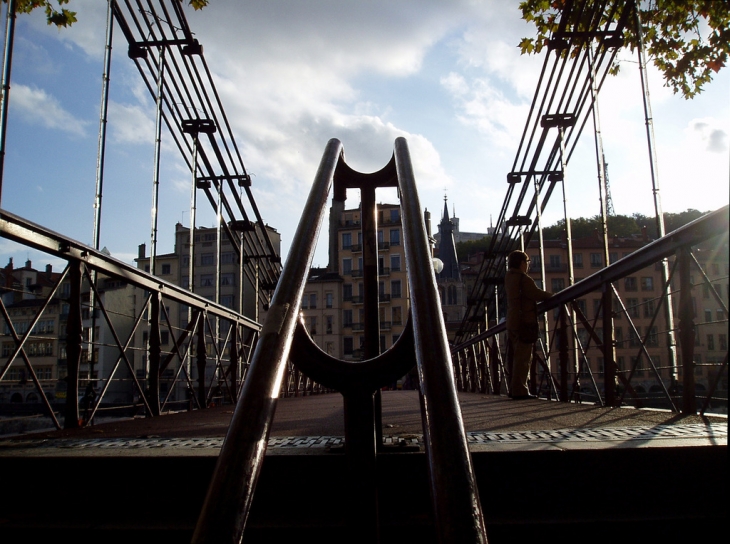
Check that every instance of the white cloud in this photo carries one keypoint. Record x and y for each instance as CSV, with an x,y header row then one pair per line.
x,y
130,124
710,132
292,75
482,105
38,107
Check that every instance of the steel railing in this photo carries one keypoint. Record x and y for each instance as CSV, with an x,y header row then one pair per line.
x,y
456,506
193,352
577,337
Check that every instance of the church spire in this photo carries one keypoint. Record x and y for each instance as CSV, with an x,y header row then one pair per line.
x,y
447,247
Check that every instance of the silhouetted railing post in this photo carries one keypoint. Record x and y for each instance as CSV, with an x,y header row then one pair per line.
x,y
473,370
686,331
609,347
200,359
494,363
235,362
564,356
533,370
74,337
153,382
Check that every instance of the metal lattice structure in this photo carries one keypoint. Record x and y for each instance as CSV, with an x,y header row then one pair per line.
x,y
172,65
561,110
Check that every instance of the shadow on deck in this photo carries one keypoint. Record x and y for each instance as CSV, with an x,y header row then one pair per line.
x,y
543,469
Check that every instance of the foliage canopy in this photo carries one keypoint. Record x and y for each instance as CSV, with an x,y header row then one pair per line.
x,y
622,226
57,14
687,40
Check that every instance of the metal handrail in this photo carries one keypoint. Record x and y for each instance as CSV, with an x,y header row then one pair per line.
x,y
84,261
17,229
229,497
456,504
454,491
693,233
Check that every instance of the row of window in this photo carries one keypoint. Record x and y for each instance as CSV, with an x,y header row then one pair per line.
x,y
208,280
348,344
652,338
20,374
347,320
309,300
32,349
631,283
395,265
554,261
722,341
451,295
719,315
395,290
393,238
44,326
311,323
206,259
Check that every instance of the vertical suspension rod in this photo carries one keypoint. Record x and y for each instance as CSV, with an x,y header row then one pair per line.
x,y
100,155
649,122
103,110
7,65
569,247
156,175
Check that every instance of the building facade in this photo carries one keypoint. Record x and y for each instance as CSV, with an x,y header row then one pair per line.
x,y
641,297
24,292
332,306
451,286
235,291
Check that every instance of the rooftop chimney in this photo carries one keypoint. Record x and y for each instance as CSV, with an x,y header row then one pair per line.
x,y
141,250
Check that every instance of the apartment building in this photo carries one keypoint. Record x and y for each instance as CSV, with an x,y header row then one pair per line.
x,y
332,306
24,292
174,268
640,296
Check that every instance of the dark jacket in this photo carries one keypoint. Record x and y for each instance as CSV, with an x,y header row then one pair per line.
x,y
515,280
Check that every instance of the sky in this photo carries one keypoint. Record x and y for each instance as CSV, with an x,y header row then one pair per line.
x,y
447,76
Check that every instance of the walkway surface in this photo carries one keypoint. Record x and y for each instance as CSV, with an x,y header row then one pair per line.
x,y
317,422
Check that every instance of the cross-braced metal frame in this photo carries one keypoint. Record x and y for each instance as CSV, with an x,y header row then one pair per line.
x,y
480,365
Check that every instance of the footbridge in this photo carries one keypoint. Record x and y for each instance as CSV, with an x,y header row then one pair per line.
x,y
241,428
